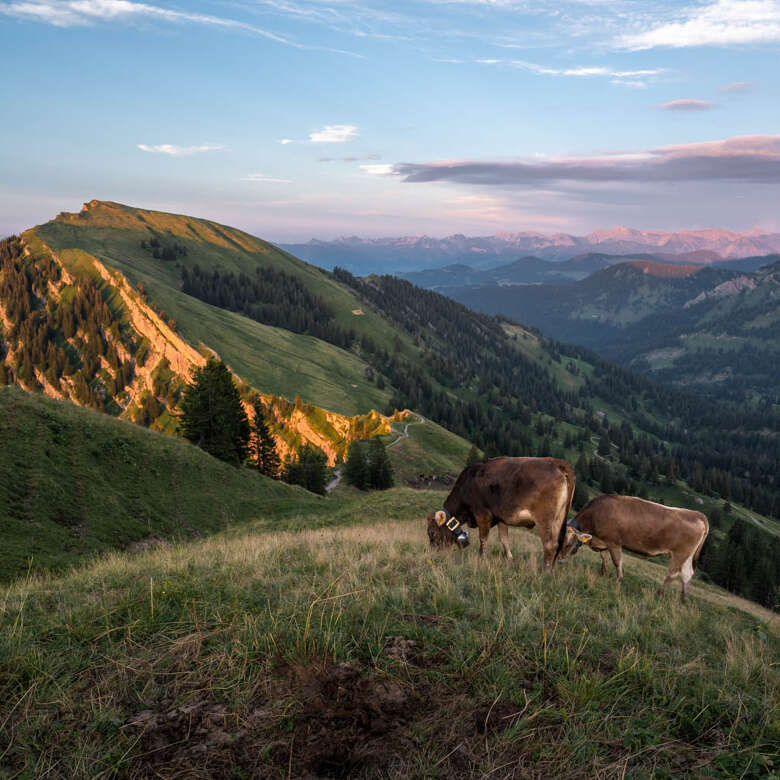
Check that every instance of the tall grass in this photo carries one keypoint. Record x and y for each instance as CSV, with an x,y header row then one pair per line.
x,y
249,654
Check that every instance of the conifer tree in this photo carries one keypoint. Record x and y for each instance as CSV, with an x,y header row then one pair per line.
x,y
356,468
212,415
263,446
380,470
308,469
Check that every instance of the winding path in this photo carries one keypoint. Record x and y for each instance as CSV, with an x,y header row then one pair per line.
x,y
331,486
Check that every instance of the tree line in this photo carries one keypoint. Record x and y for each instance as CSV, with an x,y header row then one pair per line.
x,y
213,417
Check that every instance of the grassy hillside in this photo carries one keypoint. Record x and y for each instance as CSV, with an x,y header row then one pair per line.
x,y
74,482
354,652
423,447
272,359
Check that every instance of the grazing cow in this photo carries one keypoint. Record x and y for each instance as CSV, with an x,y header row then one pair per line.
x,y
610,523
524,492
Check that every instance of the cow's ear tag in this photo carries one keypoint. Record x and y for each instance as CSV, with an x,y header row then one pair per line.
x,y
584,538
440,517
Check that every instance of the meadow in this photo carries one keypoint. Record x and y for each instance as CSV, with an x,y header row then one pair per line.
x,y
352,650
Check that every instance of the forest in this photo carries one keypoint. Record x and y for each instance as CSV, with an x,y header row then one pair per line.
x,y
272,297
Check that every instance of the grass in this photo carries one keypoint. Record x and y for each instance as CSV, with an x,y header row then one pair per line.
x,y
428,449
352,651
74,483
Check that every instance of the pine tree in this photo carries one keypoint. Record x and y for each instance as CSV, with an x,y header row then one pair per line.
x,y
356,468
212,415
262,445
380,470
308,469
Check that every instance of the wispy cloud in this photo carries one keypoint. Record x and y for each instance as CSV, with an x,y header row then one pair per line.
x,y
285,141
334,134
745,158
722,23
179,151
686,104
81,13
259,177
349,159
585,70
736,87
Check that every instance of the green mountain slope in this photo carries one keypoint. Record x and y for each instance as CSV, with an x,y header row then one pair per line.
x,y
74,482
273,359
716,329
355,652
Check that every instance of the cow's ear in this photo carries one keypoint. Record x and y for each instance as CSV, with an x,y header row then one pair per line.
x,y
584,538
440,517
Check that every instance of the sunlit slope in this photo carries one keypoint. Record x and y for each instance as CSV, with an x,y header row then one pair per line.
x,y
355,652
272,359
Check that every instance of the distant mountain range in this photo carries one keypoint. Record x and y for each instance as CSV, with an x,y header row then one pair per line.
x,y
713,327
413,253
534,270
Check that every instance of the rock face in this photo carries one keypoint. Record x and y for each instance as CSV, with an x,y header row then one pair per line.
x,y
120,355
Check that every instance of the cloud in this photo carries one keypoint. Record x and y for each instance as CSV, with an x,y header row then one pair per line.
x,y
285,141
689,104
81,13
334,134
745,158
736,87
722,23
259,177
379,169
589,71
179,151
350,159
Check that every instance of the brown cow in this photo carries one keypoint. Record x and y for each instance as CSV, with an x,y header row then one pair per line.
x,y
524,492
610,523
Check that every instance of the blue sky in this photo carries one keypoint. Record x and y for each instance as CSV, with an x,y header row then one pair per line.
x,y
301,118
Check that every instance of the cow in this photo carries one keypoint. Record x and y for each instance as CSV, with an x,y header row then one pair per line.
x,y
523,492
608,524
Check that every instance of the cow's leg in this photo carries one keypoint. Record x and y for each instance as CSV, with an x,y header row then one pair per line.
x,y
549,546
484,530
503,535
617,559
686,575
604,554
674,572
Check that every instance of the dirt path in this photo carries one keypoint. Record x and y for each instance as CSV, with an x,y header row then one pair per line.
x,y
335,481
405,433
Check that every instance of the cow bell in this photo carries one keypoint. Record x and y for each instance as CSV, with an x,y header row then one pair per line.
x,y
462,539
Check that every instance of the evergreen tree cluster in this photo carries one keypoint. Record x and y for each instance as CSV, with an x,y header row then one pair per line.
x,y
307,468
67,336
368,466
212,416
746,561
161,251
270,296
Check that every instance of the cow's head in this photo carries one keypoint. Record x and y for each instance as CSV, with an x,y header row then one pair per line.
x,y
445,529
573,540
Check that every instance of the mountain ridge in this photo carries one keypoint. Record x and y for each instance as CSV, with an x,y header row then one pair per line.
x,y
412,253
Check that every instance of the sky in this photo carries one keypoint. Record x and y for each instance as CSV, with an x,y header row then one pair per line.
x,y
295,119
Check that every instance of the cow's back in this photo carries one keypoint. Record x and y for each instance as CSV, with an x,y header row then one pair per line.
x,y
502,486
640,525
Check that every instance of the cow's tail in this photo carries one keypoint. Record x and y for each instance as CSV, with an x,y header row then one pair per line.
x,y
571,480
697,553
